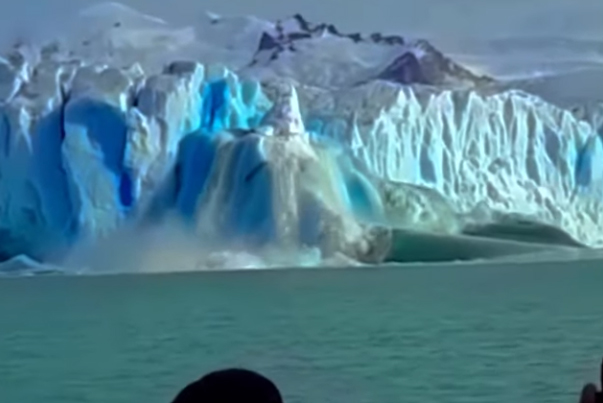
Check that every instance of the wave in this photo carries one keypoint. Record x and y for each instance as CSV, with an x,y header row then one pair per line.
x,y
294,144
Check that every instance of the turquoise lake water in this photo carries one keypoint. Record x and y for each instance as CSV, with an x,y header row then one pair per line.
x,y
479,333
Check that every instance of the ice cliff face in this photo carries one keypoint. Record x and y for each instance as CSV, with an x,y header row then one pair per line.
x,y
87,149
506,152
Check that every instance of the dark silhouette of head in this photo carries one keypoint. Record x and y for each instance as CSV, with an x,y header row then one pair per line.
x,y
230,386
589,394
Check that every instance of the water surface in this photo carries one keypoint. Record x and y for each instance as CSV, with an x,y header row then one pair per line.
x,y
478,333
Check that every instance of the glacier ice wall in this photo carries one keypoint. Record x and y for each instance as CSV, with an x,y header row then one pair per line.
x,y
88,149
507,152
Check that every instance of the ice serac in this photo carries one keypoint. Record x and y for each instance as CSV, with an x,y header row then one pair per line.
x,y
96,131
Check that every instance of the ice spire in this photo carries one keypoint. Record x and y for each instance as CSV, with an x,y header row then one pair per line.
x,y
285,116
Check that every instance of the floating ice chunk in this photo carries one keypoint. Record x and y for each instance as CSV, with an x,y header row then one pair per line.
x,y
24,265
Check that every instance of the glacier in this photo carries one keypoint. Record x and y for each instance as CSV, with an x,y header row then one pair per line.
x,y
408,158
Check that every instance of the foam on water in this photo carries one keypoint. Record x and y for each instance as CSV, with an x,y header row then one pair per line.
x,y
273,143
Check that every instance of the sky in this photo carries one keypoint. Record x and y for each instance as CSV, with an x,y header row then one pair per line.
x,y
443,19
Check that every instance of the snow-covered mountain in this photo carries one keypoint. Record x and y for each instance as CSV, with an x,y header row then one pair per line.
x,y
293,42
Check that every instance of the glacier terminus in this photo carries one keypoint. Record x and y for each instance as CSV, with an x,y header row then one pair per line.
x,y
260,143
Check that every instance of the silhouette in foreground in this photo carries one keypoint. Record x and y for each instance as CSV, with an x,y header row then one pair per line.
x,y
230,386
590,394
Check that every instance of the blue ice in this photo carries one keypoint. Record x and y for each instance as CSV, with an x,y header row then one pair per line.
x,y
214,116
106,127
